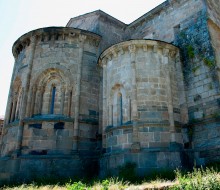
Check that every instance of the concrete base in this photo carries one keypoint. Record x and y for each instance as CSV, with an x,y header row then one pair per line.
x,y
146,161
28,168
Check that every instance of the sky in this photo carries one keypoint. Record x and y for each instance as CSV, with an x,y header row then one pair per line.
x,y
21,16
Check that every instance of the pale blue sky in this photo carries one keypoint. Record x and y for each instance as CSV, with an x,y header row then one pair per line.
x,y
21,16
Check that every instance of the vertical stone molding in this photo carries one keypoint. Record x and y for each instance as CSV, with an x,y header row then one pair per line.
x,y
104,121
28,77
135,147
82,39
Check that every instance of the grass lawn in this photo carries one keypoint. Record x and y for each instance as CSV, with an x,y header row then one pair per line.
x,y
198,179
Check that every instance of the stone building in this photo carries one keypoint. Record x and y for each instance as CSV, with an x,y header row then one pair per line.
x,y
99,93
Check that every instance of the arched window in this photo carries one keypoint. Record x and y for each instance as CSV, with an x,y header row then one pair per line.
x,y
52,100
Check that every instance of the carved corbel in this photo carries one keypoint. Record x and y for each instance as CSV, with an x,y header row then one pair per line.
x,y
132,48
33,39
82,38
166,52
104,62
114,53
172,54
109,57
121,51
145,48
155,48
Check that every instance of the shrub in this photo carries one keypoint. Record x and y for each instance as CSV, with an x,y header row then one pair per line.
x,y
198,179
163,174
127,172
76,186
190,51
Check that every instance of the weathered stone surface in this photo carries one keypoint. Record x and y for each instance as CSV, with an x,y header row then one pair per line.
x,y
132,108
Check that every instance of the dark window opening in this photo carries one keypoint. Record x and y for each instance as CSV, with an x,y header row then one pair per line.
x,y
52,100
59,125
38,152
36,125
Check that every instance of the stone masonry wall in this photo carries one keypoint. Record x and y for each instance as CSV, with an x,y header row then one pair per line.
x,y
54,124
200,76
111,29
160,23
158,96
213,9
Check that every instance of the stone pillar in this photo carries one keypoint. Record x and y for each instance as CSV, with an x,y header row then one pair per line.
x,y
82,38
135,147
62,100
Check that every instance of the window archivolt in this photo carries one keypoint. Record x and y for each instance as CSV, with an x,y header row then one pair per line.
x,y
52,96
118,106
16,100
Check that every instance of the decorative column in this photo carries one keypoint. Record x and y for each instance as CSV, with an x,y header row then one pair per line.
x,y
25,91
110,111
82,38
13,108
62,100
135,147
37,100
29,102
69,101
18,107
32,102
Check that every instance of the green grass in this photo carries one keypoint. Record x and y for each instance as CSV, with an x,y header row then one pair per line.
x,y
198,179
